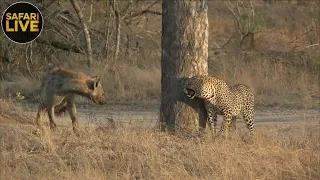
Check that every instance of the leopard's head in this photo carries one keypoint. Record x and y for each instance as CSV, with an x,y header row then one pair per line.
x,y
196,87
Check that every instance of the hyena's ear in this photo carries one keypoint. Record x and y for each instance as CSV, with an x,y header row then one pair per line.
x,y
94,83
96,78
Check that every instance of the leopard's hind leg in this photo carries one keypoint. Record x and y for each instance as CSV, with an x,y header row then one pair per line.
x,y
212,116
248,118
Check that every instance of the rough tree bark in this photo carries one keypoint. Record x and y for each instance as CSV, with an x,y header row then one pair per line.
x,y
184,54
85,31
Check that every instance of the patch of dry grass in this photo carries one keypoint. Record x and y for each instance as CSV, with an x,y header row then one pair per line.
x,y
12,113
25,85
131,83
138,153
290,80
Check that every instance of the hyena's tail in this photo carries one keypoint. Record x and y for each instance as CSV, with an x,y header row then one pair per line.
x,y
61,108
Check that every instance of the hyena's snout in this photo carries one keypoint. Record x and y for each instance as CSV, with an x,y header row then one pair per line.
x,y
99,99
96,91
102,101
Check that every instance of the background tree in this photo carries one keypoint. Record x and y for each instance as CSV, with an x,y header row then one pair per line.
x,y
184,54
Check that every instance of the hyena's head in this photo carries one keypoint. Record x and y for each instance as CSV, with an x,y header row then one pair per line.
x,y
96,91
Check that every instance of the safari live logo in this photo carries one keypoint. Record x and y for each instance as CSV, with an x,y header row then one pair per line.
x,y
22,22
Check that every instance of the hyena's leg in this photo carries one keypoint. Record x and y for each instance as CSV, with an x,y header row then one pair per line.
x,y
61,108
71,107
212,116
53,125
41,111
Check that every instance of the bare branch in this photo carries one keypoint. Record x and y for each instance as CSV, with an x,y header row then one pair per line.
x,y
310,46
85,31
145,11
230,7
61,45
91,9
304,34
29,58
118,32
44,6
107,33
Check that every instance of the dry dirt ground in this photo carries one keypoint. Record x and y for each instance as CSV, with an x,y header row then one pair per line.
x,y
148,114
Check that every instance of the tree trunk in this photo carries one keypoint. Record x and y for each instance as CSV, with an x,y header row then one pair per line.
x,y
85,31
184,54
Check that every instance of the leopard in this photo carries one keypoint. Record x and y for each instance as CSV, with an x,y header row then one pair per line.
x,y
221,99
58,91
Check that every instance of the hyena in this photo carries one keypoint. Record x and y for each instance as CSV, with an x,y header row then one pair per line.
x,y
58,91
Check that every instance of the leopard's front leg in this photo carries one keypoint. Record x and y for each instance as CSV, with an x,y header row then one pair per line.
x,y
211,115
